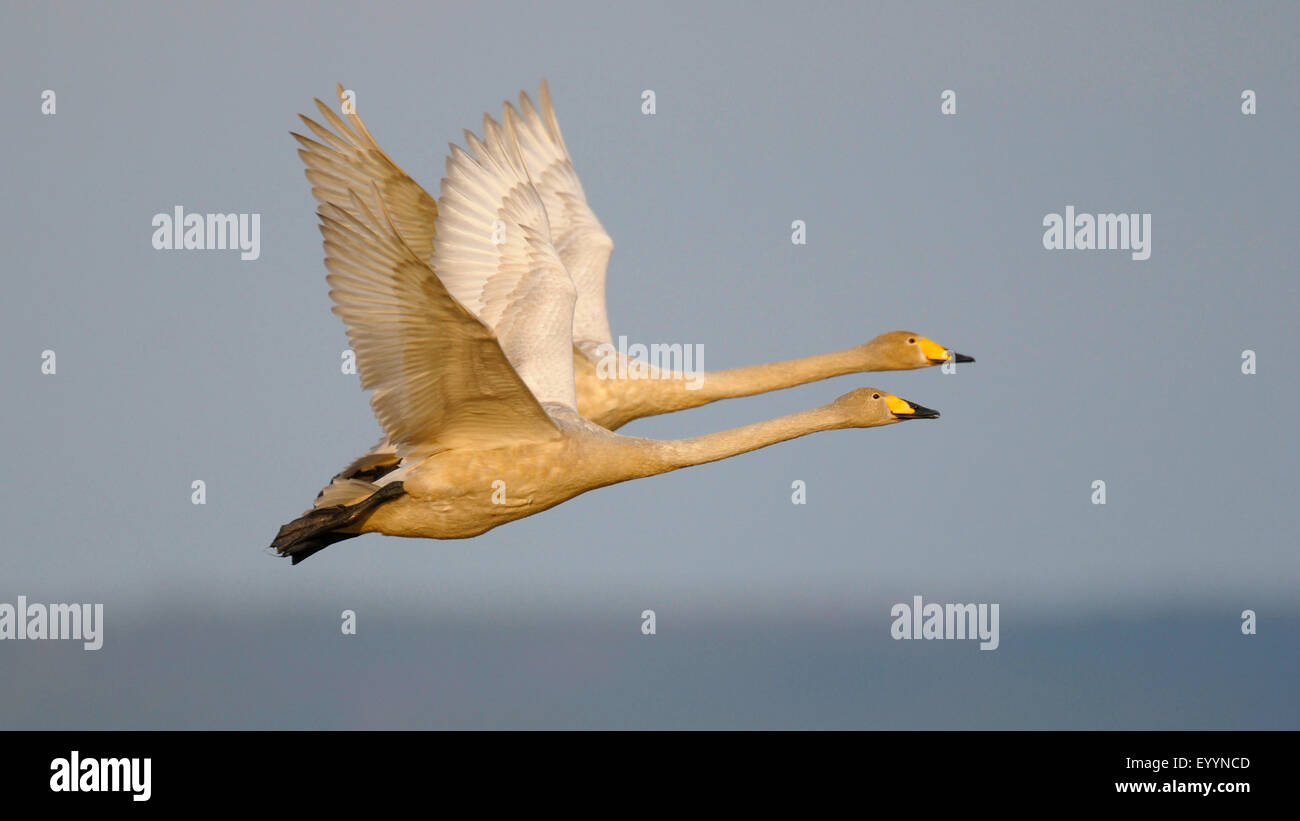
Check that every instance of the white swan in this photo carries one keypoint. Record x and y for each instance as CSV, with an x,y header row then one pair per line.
x,y
482,410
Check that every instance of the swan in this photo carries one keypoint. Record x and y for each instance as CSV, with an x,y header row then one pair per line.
x,y
472,368
345,157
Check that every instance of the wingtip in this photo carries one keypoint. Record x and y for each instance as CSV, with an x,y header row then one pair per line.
x,y
474,146
511,140
549,117
508,107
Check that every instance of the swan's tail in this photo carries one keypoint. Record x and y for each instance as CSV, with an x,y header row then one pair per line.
x,y
345,502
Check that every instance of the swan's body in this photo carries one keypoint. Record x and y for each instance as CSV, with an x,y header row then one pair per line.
x,y
472,368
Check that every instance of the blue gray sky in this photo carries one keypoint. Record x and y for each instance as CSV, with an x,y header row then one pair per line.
x,y
176,366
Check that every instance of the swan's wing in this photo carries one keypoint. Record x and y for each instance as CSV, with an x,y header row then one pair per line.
x,y
440,378
495,256
577,235
349,160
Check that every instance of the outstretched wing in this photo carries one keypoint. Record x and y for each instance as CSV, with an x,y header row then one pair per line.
x,y
577,235
348,160
495,256
440,378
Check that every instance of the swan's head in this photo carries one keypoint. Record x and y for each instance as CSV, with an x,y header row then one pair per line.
x,y
871,407
904,350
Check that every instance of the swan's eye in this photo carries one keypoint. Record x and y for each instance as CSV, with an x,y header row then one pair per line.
x,y
875,396
912,341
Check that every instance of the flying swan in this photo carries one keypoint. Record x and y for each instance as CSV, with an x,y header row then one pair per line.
x,y
473,368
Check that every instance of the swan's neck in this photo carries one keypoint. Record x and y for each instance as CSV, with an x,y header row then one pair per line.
x,y
778,375
612,391
655,396
654,457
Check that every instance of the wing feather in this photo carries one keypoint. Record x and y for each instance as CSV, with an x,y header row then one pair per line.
x,y
578,237
495,256
439,376
347,160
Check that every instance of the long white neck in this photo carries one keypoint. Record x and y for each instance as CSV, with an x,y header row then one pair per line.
x,y
651,457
